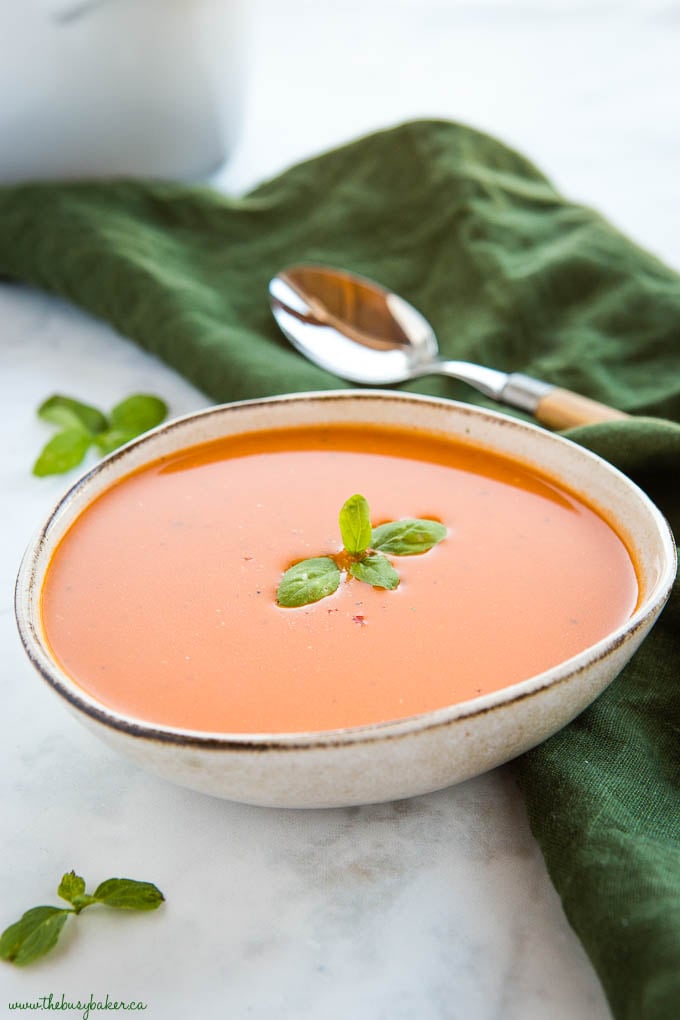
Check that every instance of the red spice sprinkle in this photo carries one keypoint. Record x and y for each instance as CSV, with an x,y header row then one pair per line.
x,y
360,620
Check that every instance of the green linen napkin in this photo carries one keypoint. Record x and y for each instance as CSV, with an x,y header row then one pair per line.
x,y
511,275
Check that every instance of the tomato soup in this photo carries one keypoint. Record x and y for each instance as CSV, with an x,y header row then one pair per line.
x,y
160,601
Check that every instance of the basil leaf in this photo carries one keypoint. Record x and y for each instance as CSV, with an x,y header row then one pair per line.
x,y
110,440
71,885
138,413
33,936
308,581
355,525
126,894
377,570
67,412
72,889
408,537
63,452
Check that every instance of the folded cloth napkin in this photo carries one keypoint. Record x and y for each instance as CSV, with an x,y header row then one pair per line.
x,y
511,275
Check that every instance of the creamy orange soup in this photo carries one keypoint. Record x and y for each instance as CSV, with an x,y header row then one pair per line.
x,y
160,600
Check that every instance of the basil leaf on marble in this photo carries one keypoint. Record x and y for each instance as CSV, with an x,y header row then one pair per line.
x,y
83,426
127,894
33,935
67,412
63,452
138,413
71,886
107,442
37,931
72,889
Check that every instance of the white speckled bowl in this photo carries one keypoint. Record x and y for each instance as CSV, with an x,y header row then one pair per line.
x,y
393,759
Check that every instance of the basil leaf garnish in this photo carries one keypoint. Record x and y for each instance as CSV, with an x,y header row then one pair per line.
x,y
375,569
355,525
308,581
408,537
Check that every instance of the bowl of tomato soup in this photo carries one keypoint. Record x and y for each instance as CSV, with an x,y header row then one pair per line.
x,y
150,601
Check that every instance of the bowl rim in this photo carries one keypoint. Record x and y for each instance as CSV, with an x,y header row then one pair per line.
x,y
27,601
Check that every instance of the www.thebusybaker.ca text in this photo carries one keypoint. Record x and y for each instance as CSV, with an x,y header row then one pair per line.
x,y
84,1007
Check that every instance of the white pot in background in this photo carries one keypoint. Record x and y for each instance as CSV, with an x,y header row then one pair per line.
x,y
110,87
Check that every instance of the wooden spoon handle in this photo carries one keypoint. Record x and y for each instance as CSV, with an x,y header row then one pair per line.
x,y
562,409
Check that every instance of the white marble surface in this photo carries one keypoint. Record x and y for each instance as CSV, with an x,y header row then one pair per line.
x,y
440,907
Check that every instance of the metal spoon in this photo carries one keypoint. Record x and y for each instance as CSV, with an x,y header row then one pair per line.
x,y
362,332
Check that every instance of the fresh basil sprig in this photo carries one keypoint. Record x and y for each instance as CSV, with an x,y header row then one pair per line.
x,y
83,426
363,555
38,929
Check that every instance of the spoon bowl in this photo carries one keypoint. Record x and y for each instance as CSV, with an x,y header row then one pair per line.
x,y
357,329
360,331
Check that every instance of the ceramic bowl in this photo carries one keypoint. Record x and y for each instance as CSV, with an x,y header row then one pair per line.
x,y
395,759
